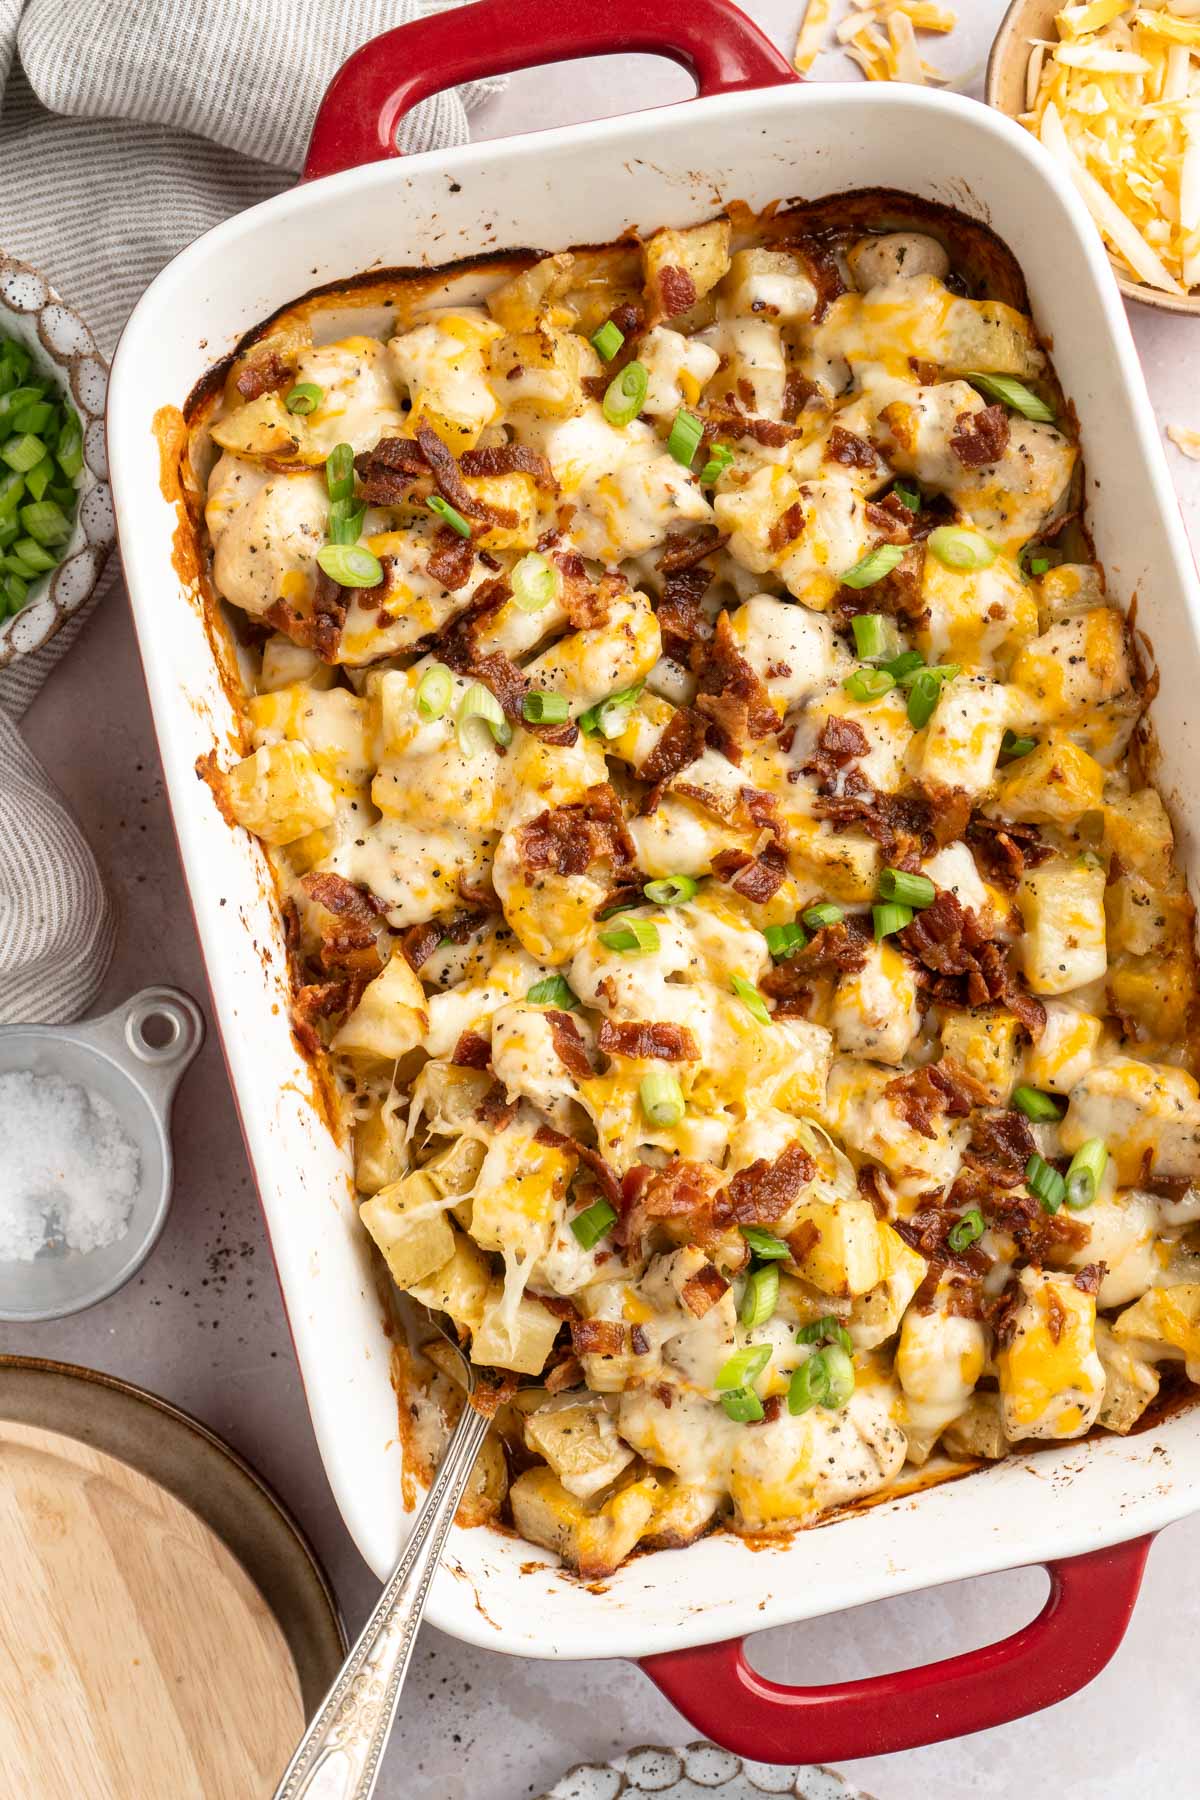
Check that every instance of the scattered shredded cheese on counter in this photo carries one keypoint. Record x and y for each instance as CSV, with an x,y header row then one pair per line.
x,y
1117,100
1187,441
878,35
69,1174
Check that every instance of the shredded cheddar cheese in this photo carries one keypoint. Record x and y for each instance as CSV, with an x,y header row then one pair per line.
x,y
1187,441
878,36
1117,100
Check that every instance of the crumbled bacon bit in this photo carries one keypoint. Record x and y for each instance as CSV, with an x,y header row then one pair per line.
x,y
322,1000
756,878
802,1241
451,559
839,742
851,451
677,748
701,1291
490,1394
787,527
1006,848
392,472
648,1038
639,1339
350,941
509,459
598,1337
681,622
1090,1278
928,1233
496,1110
472,1051
761,1194
569,1046
824,268
949,940
605,1178
446,472
677,290
798,390
833,950
571,838
922,1095
567,1372
587,603
1056,1316
685,550
732,697
980,438
867,1182
263,375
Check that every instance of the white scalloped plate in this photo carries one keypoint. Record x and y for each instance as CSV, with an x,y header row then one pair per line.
x,y
65,350
698,1771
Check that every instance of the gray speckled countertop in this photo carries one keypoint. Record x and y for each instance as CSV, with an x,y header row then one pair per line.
x,y
203,1324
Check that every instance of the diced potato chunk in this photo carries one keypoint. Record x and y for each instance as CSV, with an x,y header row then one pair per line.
x,y
789,1469
1064,945
518,1338
1130,1381
280,794
962,740
1147,1113
1066,1049
1166,1323
578,1438
380,1153
845,1257
1137,829
1053,785
460,1286
681,266
977,1431
1051,1379
263,427
592,1541
775,282
985,1043
1156,992
390,1019
526,298
682,1513
408,1222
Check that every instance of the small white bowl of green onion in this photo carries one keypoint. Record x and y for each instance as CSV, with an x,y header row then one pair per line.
x,y
56,523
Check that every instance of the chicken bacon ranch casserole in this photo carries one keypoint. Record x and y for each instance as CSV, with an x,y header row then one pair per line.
x,y
698,758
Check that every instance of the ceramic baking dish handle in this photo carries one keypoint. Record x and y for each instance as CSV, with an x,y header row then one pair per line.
x,y
1070,1641
373,90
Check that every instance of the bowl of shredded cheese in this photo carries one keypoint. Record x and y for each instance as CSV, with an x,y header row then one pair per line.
x,y
1112,89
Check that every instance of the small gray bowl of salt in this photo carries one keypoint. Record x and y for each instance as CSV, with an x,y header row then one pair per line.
x,y
85,1150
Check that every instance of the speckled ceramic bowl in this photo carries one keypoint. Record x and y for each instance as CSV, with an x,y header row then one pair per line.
x,y
65,351
694,1772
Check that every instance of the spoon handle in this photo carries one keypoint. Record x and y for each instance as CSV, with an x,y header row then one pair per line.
x,y
339,1755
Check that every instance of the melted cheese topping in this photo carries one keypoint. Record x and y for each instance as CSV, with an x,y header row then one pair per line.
x,y
634,1138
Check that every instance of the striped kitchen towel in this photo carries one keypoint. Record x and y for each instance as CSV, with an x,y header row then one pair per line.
x,y
127,128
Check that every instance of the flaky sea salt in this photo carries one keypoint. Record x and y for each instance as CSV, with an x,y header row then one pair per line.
x,y
69,1174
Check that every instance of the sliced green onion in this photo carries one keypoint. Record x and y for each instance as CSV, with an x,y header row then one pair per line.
x,y
38,479
346,521
36,417
958,548
12,492
672,890
1045,1183
32,554
23,453
350,565
719,458
1039,565
839,1368
809,1385
553,991
661,1097
916,891
890,918
1015,394
751,999
480,716
607,341
824,913
625,394
592,1223
684,441
743,1406
304,398
968,1231
534,583
874,635
873,566
907,496
761,1296
765,1244
902,668
541,708
1012,746
1043,1109
868,684
923,697
1084,1173
785,940
449,515
47,522
434,691
69,454
744,1366
339,472
638,938
611,717
826,1330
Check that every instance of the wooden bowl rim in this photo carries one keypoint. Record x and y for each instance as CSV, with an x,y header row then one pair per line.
x,y
1011,41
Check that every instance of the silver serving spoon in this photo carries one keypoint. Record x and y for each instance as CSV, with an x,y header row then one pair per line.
x,y
339,1756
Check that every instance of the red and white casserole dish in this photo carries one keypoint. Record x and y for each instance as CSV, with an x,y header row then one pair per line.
x,y
1085,1509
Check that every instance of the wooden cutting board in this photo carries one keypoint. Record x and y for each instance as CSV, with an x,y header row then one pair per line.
x,y
138,1661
